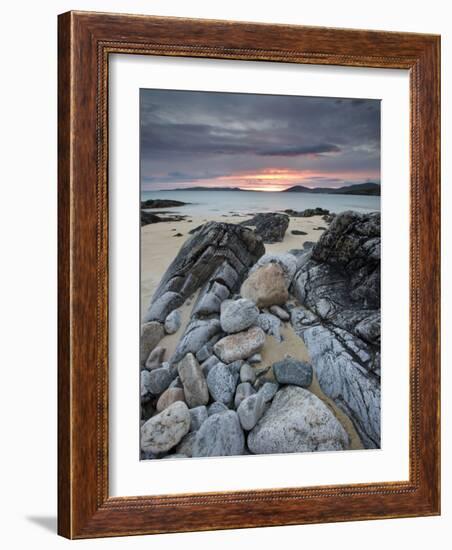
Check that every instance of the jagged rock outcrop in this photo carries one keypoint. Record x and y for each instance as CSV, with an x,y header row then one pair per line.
x,y
161,203
217,253
270,226
308,213
338,285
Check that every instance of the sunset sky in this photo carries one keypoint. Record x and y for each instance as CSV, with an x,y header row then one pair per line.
x,y
256,142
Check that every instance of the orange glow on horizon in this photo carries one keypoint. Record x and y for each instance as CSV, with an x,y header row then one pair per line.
x,y
279,179
282,178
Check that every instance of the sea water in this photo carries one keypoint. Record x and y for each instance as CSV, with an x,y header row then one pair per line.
x,y
205,203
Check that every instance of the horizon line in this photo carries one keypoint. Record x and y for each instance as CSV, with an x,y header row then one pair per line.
x,y
233,187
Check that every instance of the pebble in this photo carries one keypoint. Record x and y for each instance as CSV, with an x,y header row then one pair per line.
x,y
193,381
165,430
244,389
173,322
221,383
220,435
293,371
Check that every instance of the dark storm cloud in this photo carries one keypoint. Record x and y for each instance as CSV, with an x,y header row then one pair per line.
x,y
190,136
299,151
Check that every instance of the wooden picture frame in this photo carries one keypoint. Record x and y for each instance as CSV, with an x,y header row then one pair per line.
x,y
85,42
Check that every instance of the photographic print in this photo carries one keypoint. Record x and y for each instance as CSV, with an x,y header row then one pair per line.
x,y
260,274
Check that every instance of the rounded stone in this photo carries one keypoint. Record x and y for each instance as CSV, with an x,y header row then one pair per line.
x,y
241,345
266,286
163,431
220,435
168,397
297,421
193,381
221,383
238,315
293,371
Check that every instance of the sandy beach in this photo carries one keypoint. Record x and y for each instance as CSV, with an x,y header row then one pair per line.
x,y
160,245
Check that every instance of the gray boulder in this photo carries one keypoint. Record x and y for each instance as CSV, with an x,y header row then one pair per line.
x,y
163,305
151,334
145,392
280,313
216,408
250,410
297,421
159,380
293,371
270,324
247,374
173,322
240,346
270,226
221,383
185,447
244,390
164,431
238,315
210,298
209,363
197,334
198,415
207,349
155,358
268,391
234,369
220,435
193,381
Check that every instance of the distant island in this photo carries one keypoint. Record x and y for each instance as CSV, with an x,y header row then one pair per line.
x,y
356,189
368,188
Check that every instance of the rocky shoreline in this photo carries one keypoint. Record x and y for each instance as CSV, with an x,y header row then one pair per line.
x,y
212,395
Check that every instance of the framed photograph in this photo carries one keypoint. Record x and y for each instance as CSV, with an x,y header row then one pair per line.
x,y
248,275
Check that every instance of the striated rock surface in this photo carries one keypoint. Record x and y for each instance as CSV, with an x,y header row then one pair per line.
x,y
271,227
224,251
339,288
297,421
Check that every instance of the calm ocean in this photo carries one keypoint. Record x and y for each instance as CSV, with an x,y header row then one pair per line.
x,y
203,203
